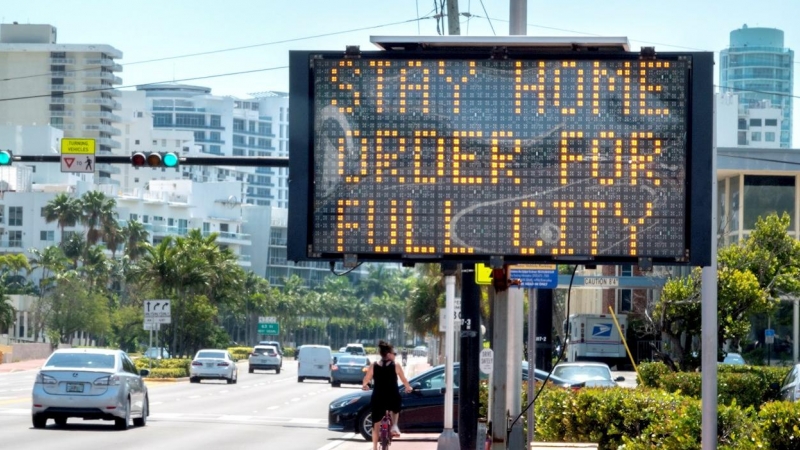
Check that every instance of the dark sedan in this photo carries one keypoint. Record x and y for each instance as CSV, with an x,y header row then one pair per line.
x,y
423,409
349,369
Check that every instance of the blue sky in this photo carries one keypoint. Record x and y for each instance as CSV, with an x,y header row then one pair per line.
x,y
147,29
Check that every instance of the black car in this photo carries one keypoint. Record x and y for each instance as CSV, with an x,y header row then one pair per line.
x,y
422,410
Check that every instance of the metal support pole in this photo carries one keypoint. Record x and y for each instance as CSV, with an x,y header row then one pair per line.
x,y
502,357
469,384
796,331
532,301
448,439
518,16
516,339
453,24
709,328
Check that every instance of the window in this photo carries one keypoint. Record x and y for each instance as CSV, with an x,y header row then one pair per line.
x,y
755,136
43,212
766,194
238,152
771,122
136,142
145,218
223,227
755,122
2,214
155,142
238,125
158,219
163,142
15,238
199,136
161,119
216,121
183,225
215,136
135,180
134,217
215,149
190,120
206,227
742,138
15,216
170,222
625,300
48,236
769,136
281,114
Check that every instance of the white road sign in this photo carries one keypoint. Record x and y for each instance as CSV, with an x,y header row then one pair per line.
x,y
486,361
157,311
77,155
151,325
267,319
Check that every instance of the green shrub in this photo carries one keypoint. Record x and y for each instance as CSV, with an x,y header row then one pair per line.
x,y
371,350
289,352
780,422
168,373
182,364
686,383
651,373
240,353
768,376
637,419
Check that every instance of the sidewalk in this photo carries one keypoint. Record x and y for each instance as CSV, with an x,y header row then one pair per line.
x,y
33,364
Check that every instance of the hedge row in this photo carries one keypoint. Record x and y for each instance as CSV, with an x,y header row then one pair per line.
x,y
168,373
744,385
639,419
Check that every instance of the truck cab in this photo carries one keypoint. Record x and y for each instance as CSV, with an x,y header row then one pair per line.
x,y
595,337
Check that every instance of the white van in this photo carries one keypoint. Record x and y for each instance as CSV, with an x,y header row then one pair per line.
x,y
314,362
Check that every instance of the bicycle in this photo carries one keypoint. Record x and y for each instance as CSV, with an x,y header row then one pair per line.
x,y
385,431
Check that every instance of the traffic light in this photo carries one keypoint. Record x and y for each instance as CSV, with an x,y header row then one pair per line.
x,y
6,157
155,159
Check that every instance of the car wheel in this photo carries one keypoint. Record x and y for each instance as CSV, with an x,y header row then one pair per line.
x,y
278,371
365,425
124,423
60,421
194,380
336,384
145,410
229,380
250,370
299,379
236,380
39,421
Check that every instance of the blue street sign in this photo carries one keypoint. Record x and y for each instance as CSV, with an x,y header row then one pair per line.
x,y
543,276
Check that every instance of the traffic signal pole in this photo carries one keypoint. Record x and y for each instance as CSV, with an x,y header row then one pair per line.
x,y
238,161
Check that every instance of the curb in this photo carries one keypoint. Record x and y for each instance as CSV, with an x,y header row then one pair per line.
x,y
165,380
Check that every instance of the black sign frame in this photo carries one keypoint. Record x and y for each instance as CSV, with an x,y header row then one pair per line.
x,y
698,180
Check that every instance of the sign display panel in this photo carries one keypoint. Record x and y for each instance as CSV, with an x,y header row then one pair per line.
x,y
535,158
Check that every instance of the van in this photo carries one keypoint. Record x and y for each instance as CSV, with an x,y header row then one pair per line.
x,y
314,363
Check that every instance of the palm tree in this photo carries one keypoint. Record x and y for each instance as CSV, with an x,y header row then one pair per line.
x,y
97,210
113,236
74,248
7,312
52,261
64,210
136,239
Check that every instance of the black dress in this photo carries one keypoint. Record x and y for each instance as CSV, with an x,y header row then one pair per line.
x,y
386,394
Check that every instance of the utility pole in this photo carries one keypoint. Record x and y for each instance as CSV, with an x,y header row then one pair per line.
x,y
453,24
468,395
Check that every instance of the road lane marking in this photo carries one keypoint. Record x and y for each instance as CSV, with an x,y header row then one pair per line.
x,y
194,397
155,403
338,442
272,407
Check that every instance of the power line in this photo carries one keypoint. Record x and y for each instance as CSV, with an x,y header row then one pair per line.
x,y
488,18
780,94
244,47
228,74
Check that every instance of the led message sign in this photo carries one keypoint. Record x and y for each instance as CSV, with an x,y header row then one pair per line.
x,y
536,158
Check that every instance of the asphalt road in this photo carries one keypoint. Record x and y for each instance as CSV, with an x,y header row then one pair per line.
x,y
263,410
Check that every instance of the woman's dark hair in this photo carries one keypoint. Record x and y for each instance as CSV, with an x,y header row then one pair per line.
x,y
385,348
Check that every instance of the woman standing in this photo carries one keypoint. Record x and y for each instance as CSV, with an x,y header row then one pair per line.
x,y
385,395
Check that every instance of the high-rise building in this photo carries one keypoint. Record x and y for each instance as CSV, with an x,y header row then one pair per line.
x,y
67,86
760,70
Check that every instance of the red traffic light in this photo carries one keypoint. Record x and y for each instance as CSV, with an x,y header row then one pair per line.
x,y
138,159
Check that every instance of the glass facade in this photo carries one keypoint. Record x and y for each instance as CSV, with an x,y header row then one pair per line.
x,y
765,195
758,68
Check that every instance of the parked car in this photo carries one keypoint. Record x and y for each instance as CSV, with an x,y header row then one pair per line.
x,y
213,364
314,362
92,384
594,374
422,409
355,349
349,369
154,353
420,350
264,357
734,359
790,388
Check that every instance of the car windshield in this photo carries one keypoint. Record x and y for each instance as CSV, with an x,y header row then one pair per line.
x,y
582,373
355,349
82,360
269,351
211,355
353,360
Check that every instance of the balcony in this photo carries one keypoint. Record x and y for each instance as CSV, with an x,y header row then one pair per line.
x,y
189,127
107,88
62,87
103,128
102,115
61,101
107,76
61,113
62,60
105,62
225,237
208,141
102,101
63,127
109,142
62,74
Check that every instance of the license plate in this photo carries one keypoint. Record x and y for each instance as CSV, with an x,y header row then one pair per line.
x,y
74,387
209,364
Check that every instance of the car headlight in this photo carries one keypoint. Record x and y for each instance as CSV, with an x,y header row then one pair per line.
x,y
45,379
343,403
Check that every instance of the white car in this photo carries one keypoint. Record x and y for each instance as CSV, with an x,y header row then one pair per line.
x,y
264,357
92,384
213,364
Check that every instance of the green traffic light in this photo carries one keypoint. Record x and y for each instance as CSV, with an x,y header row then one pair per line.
x,y
5,158
170,160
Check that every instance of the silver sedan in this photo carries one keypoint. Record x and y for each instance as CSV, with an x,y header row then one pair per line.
x,y
210,364
92,384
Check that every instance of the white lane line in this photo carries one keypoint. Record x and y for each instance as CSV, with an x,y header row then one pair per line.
x,y
194,397
272,407
338,442
155,403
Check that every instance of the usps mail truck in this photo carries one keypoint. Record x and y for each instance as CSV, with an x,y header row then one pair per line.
x,y
595,337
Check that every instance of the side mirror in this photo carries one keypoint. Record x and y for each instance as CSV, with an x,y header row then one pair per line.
x,y
416,387
618,379
144,372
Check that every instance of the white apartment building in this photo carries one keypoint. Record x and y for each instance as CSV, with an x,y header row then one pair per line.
x,y
756,126
45,75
